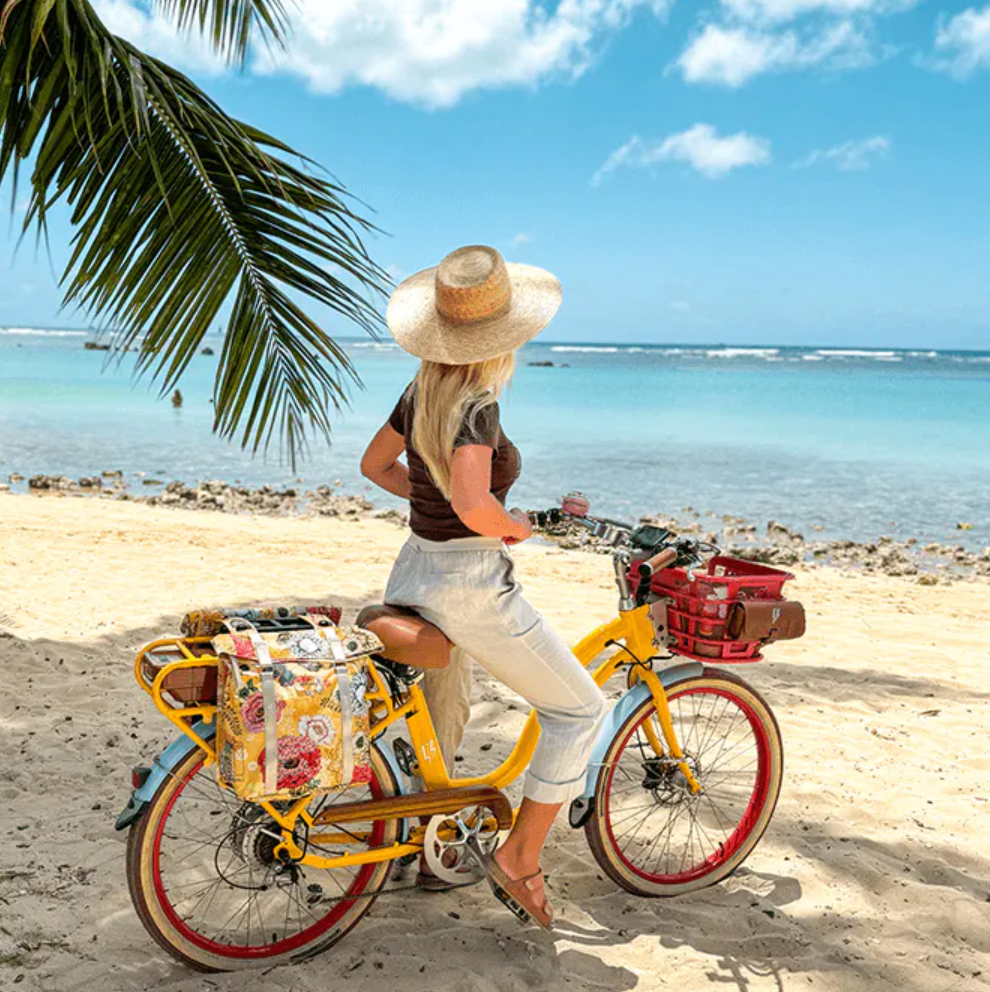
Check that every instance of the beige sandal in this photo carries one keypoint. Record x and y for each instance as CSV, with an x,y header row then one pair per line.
x,y
516,894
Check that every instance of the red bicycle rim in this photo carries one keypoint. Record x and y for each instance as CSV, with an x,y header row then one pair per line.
x,y
285,945
758,798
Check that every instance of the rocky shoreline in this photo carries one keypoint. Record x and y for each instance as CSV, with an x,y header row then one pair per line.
x,y
780,546
775,544
212,494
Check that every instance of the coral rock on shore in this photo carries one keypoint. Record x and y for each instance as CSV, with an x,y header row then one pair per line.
x,y
52,483
324,502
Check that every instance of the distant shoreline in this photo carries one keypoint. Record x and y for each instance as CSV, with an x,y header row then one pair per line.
x,y
839,349
777,544
846,443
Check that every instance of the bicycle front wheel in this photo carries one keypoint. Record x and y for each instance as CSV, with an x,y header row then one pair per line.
x,y
648,832
207,887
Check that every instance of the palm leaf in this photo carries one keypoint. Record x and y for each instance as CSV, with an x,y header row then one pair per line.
x,y
182,213
230,24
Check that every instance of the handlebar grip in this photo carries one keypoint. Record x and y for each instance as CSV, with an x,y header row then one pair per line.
x,y
660,560
541,518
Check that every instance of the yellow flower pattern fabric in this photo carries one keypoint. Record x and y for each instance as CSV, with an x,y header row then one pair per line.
x,y
311,717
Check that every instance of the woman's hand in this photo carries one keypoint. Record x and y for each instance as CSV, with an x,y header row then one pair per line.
x,y
472,499
524,530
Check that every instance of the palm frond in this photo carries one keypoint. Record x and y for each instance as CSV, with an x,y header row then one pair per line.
x,y
181,212
230,24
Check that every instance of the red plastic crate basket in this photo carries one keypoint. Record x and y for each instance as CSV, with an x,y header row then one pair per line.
x,y
703,599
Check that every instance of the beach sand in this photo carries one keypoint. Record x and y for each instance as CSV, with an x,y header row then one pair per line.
x,y
875,873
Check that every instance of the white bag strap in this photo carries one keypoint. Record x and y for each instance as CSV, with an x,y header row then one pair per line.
x,y
344,691
346,695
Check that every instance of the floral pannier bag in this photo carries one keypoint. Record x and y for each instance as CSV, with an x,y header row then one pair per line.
x,y
292,714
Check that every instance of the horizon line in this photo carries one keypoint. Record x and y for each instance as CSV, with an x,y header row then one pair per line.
x,y
384,339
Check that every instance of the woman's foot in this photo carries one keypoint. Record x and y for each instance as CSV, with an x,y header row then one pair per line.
x,y
523,893
534,882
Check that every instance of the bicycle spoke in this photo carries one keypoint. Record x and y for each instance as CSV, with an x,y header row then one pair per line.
x,y
221,883
657,825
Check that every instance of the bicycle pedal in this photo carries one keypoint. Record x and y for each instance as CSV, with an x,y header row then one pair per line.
x,y
512,906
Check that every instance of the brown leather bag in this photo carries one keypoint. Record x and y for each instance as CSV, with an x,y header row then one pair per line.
x,y
765,621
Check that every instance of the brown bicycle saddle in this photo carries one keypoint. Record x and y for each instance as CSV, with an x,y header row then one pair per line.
x,y
408,638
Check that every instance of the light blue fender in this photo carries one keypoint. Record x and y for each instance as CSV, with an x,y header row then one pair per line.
x,y
160,769
179,748
163,765
622,710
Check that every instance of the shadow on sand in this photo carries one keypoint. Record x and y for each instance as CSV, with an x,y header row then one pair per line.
x,y
72,853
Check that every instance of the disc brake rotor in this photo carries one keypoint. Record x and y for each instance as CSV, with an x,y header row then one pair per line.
x,y
445,843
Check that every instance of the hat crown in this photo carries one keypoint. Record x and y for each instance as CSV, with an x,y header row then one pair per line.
x,y
472,285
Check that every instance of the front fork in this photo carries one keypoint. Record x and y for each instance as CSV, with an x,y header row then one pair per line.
x,y
673,747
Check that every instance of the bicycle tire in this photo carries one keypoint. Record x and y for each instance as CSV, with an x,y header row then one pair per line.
x,y
160,918
659,780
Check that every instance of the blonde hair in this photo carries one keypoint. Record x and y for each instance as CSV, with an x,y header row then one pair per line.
x,y
448,396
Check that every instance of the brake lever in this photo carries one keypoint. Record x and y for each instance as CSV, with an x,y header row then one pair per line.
x,y
694,555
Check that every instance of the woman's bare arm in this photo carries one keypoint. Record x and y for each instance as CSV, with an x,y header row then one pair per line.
x,y
472,500
381,462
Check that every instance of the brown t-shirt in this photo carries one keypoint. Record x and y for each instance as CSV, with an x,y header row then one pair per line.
x,y
430,514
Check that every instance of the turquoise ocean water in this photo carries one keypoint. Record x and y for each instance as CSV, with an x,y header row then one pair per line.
x,y
858,442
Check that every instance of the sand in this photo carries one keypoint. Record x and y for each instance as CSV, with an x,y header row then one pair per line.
x,y
875,873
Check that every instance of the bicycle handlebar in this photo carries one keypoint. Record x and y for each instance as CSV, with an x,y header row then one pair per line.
x,y
623,538
660,560
556,514
617,533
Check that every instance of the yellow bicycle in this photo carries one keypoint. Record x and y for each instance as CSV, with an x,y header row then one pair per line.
x,y
681,786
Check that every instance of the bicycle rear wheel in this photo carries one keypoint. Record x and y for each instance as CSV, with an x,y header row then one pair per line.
x,y
207,887
648,832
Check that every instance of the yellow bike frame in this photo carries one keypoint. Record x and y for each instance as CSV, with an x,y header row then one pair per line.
x,y
633,629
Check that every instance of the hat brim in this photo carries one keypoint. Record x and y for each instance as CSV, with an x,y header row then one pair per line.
x,y
418,328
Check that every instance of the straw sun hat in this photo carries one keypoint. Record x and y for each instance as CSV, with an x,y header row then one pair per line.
x,y
471,306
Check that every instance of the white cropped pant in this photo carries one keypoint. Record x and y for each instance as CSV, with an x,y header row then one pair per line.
x,y
468,589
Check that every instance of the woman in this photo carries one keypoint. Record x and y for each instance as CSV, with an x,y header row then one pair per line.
x,y
464,319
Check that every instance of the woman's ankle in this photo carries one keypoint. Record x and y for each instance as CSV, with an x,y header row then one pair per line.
x,y
518,862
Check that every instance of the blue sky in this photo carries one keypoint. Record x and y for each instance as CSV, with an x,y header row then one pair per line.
x,y
740,171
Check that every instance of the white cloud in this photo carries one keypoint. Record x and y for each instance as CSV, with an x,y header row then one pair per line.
x,y
964,42
731,56
700,147
427,52
780,11
522,238
432,52
850,156
747,38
